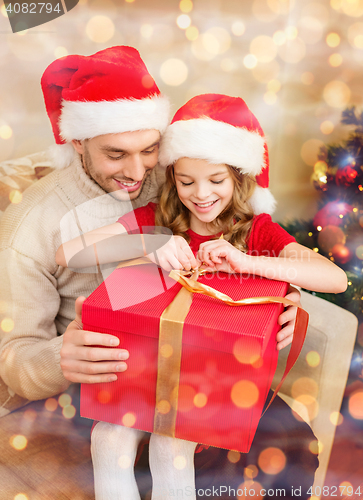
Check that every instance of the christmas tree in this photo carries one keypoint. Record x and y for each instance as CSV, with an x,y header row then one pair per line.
x,y
337,228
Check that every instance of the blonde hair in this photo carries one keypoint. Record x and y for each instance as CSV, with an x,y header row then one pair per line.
x,y
234,221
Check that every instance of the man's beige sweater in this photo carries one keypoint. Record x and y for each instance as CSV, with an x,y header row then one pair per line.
x,y
37,294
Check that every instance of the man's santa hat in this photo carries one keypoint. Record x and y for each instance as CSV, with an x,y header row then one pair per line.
x,y
221,129
105,93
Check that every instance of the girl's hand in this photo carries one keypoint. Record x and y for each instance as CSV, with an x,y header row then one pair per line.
x,y
287,319
176,254
220,255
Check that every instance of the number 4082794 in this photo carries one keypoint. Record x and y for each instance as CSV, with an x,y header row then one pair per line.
x,y
32,8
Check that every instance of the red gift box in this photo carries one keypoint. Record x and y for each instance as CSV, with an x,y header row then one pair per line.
x,y
228,356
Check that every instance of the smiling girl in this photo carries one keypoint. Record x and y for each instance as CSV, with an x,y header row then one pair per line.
x,y
216,162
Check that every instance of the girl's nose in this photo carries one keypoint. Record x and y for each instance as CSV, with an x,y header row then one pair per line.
x,y
202,191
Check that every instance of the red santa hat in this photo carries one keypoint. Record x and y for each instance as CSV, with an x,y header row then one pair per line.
x,y
105,93
221,129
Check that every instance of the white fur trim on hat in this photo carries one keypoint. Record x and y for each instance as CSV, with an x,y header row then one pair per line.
x,y
262,201
61,155
215,141
85,120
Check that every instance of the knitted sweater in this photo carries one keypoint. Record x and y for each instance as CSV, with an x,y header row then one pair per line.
x,y
37,294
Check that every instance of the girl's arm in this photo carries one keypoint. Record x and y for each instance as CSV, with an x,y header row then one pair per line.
x,y
82,250
295,264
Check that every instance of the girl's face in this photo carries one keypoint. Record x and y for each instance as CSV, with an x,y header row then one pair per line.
x,y
205,189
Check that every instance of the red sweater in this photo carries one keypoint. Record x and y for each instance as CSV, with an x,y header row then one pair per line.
x,y
266,237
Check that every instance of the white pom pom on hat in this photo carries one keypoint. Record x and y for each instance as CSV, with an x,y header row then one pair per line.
x,y
221,129
106,93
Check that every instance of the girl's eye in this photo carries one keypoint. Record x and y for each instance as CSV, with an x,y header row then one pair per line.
x,y
186,184
217,182
149,151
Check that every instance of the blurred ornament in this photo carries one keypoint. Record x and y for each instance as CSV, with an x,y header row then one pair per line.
x,y
332,214
346,176
319,181
341,253
330,236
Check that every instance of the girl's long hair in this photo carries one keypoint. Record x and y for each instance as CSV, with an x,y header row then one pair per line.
x,y
234,221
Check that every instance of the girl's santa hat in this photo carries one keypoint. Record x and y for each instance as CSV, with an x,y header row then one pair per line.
x,y
221,129
105,93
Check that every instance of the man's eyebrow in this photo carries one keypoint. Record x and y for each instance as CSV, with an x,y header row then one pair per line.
x,y
112,149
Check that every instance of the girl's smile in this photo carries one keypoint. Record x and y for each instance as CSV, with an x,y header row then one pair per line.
x,y
205,189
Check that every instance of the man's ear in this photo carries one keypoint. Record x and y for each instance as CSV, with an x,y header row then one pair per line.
x,y
78,146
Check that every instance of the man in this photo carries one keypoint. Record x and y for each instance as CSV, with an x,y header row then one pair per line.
x,y
107,116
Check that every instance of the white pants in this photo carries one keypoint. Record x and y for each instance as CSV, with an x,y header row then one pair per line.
x,y
114,449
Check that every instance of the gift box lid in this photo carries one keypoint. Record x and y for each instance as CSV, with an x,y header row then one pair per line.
x,y
132,300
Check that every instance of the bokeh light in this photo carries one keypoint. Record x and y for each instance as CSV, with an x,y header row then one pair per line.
x,y
186,5
124,462
174,72
186,395
238,28
313,358
183,21
64,400
129,419
263,48
146,30
316,447
250,61
293,52
104,396
327,127
18,442
279,38
355,405
200,400
244,394
266,72
311,30
353,8
307,78
337,94
51,404
336,418
291,32
272,460
69,411
180,462
7,325
192,33
30,415
247,354
60,52
251,471
359,252
333,39
233,456
163,406
304,385
335,60
355,35
309,151
6,132
262,11
228,64
15,196
270,98
100,29
21,496
249,489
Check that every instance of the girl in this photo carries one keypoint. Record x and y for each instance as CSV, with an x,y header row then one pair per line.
x,y
216,163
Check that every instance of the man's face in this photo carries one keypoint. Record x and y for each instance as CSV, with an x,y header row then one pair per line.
x,y
120,163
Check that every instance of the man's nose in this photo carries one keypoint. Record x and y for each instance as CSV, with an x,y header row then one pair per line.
x,y
135,168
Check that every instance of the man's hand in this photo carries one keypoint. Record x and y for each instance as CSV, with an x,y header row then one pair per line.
x,y
287,319
82,362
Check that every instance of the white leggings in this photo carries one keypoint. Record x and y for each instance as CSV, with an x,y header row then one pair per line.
x,y
114,449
